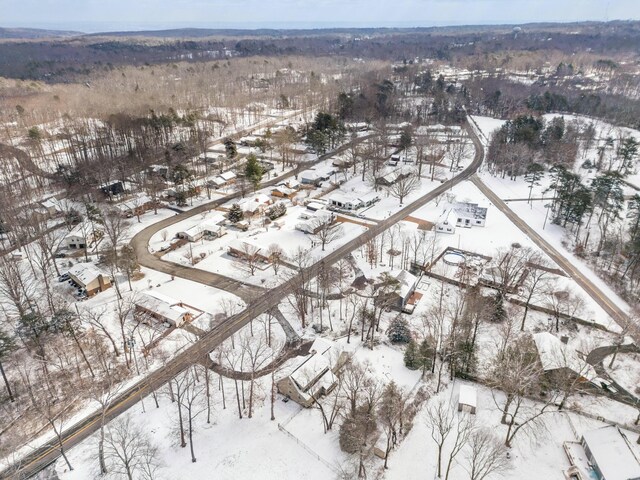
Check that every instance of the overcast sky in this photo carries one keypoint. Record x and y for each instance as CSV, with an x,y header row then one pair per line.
x,y
101,15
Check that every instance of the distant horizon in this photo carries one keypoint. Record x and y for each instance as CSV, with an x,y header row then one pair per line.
x,y
117,27
95,16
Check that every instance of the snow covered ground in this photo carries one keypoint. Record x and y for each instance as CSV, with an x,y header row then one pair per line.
x,y
625,371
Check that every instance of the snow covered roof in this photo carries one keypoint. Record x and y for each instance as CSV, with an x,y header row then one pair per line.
x,y
555,355
284,190
314,371
85,273
369,197
162,305
291,183
218,181
470,210
51,203
612,453
342,197
310,175
407,282
245,245
227,176
468,395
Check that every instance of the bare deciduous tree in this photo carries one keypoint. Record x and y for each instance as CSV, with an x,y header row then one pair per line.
x,y
129,452
404,186
486,455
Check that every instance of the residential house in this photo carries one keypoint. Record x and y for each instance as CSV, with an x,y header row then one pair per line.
x,y
560,359
112,188
90,278
291,183
52,207
341,201
341,163
314,177
255,204
229,177
283,192
465,215
469,215
266,166
209,228
246,249
135,206
389,178
216,182
346,202
610,454
82,236
75,240
407,283
313,222
160,170
315,374
162,308
404,286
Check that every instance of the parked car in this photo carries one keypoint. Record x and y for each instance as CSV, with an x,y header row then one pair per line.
x,y
60,255
63,278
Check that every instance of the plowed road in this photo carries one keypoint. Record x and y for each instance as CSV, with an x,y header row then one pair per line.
x,y
208,342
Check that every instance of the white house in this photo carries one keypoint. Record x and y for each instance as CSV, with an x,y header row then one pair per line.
x,y
211,227
610,454
90,278
407,283
225,178
313,221
464,215
469,215
342,201
349,202
75,240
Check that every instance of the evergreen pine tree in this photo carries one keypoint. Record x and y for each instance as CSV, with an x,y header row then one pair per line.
x,y
253,171
425,356
410,356
399,331
235,213
499,312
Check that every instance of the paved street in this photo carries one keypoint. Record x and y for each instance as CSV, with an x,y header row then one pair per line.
x,y
609,306
198,351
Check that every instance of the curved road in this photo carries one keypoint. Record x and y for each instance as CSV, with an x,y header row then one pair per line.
x,y
48,453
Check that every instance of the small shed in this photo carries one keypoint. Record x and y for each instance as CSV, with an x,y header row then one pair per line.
x,y
467,399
